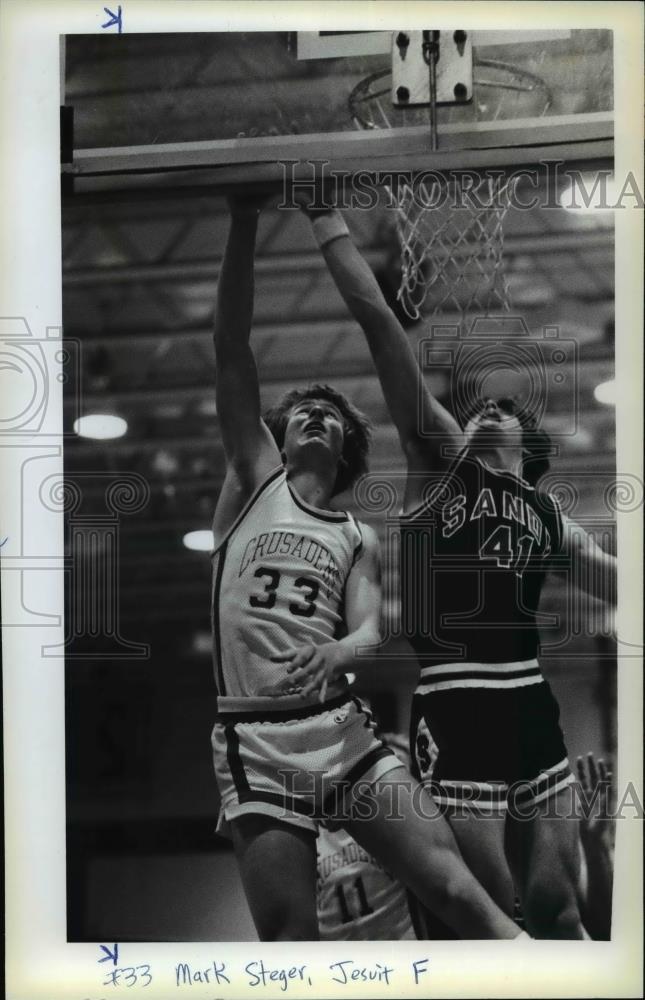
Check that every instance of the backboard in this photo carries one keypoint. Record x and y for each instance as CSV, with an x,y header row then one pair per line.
x,y
245,100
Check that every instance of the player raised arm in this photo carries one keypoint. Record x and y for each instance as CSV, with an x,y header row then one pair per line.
x,y
316,667
409,401
251,452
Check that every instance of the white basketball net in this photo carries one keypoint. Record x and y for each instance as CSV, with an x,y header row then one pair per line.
x,y
451,247
452,243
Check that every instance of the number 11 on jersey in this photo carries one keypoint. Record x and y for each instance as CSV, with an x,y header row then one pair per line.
x,y
364,907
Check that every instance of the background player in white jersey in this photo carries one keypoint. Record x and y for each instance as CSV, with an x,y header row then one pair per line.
x,y
357,899
482,697
296,592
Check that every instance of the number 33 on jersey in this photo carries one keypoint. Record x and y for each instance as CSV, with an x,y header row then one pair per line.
x,y
275,589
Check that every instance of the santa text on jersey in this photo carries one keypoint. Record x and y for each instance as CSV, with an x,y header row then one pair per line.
x,y
511,508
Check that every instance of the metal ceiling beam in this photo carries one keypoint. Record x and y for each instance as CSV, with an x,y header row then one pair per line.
x,y
200,270
298,263
305,327
364,380
318,329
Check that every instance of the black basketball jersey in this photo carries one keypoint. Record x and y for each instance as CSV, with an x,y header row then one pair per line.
x,y
473,561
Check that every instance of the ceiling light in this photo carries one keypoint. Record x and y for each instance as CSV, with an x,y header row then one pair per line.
x,y
164,463
582,440
208,407
100,426
590,193
169,411
202,642
201,541
605,392
529,292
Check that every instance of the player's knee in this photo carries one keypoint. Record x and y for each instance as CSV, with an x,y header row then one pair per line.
x,y
560,922
567,924
281,919
451,880
553,913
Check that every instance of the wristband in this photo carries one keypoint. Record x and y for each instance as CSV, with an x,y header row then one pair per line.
x,y
327,227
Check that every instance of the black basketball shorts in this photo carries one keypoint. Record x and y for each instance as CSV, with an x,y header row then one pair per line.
x,y
493,749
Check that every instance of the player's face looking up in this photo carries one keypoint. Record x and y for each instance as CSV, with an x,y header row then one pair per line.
x,y
354,427
495,417
314,422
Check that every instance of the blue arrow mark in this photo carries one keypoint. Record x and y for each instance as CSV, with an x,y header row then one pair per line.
x,y
114,19
110,956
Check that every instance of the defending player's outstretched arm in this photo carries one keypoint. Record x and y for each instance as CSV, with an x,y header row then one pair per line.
x,y
251,452
315,667
409,401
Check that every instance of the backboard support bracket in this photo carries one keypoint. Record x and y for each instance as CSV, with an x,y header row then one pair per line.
x,y
412,54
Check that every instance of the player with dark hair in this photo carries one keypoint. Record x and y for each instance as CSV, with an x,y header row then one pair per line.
x,y
296,597
535,442
477,537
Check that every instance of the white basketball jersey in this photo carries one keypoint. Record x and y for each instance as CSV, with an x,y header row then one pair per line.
x,y
278,581
357,899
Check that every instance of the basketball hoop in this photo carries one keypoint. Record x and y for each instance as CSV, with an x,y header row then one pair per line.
x,y
452,247
368,111
451,235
